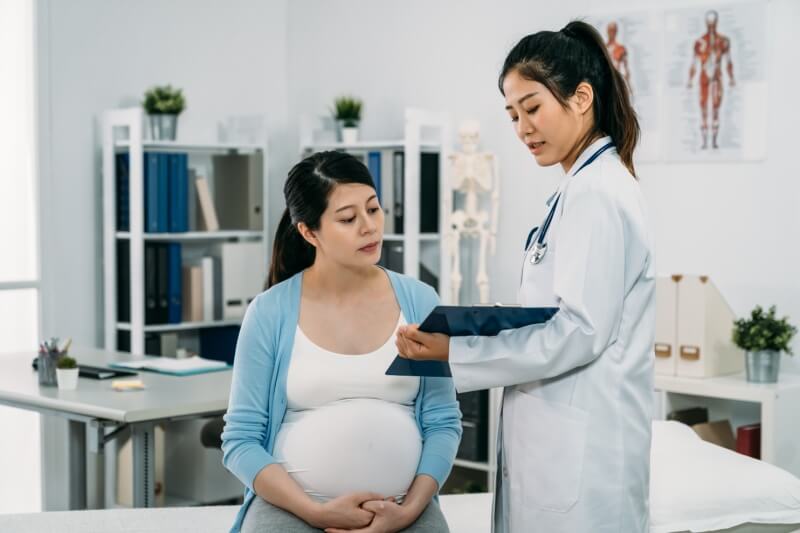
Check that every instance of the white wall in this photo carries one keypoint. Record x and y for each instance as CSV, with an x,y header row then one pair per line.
x,y
736,222
229,57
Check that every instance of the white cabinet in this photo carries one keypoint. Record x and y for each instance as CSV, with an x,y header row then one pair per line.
x,y
775,405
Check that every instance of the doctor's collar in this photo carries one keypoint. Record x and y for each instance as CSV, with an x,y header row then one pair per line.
x,y
587,153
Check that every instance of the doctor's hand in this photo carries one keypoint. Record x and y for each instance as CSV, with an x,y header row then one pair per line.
x,y
389,518
415,344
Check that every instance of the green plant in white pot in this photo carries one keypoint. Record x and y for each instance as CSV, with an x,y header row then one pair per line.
x,y
67,373
347,113
163,104
764,337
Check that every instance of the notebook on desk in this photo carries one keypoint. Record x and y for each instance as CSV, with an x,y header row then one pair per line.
x,y
461,321
176,367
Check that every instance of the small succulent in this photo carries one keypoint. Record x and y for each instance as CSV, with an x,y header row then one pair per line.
x,y
763,332
164,100
348,110
66,362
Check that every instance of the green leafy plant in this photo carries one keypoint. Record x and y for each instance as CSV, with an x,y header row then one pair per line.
x,y
763,332
164,100
348,110
66,362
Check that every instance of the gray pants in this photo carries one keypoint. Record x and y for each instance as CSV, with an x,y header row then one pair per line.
x,y
263,517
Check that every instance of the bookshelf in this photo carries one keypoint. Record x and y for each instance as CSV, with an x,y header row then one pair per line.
x,y
123,133
476,462
124,145
195,235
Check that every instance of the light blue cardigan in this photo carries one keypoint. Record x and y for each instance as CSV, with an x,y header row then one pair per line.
x,y
258,393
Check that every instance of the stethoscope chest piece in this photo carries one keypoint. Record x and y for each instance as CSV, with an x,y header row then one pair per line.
x,y
538,251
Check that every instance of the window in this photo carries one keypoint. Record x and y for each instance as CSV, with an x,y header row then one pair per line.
x,y
20,463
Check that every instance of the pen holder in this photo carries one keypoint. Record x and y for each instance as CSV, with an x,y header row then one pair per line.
x,y
47,367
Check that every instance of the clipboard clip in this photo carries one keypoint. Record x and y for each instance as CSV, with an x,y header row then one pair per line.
x,y
497,304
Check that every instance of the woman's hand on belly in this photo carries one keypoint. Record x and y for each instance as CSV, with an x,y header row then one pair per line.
x,y
389,517
345,512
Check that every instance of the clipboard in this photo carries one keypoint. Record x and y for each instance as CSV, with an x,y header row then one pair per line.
x,y
462,321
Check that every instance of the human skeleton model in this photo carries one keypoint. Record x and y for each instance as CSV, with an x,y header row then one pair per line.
x,y
473,174
710,51
618,53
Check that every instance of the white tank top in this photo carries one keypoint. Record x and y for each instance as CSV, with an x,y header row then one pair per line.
x,y
348,426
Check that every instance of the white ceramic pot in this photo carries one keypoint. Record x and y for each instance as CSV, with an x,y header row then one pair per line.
x,y
349,135
67,378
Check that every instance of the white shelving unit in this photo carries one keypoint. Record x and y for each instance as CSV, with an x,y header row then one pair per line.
x,y
196,235
490,465
126,326
123,130
775,405
178,146
424,131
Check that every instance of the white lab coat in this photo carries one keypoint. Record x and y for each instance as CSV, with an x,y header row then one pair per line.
x,y
574,436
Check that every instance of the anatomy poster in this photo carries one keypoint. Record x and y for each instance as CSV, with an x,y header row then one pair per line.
x,y
633,41
715,72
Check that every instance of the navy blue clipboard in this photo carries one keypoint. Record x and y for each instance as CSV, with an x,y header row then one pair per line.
x,y
458,321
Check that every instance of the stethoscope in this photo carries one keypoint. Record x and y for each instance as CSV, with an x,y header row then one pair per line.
x,y
540,246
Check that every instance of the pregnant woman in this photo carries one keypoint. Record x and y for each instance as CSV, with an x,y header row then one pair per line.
x,y
319,435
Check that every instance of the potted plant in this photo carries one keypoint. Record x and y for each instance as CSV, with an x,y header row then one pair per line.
x,y
347,112
163,104
67,373
763,337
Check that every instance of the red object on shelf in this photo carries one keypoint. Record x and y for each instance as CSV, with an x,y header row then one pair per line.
x,y
748,440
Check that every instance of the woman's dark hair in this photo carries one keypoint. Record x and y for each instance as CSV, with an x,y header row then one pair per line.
x,y
561,60
306,191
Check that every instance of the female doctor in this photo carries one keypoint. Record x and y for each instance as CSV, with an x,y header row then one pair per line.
x,y
574,436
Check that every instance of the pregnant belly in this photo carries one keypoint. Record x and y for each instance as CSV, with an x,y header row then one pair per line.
x,y
351,445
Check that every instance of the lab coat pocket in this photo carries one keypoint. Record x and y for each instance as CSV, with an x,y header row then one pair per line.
x,y
550,450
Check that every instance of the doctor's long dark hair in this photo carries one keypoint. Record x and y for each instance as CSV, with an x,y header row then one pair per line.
x,y
306,191
563,59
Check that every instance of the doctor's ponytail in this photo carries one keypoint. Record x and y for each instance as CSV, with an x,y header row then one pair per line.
x,y
561,60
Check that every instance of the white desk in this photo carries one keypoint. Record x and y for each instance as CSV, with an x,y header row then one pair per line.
x,y
97,414
778,407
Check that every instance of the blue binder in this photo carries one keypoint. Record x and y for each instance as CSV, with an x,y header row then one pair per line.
x,y
374,167
183,192
457,321
174,284
162,182
151,223
178,193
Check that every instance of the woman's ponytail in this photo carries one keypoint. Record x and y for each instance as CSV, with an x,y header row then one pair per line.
x,y
291,253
